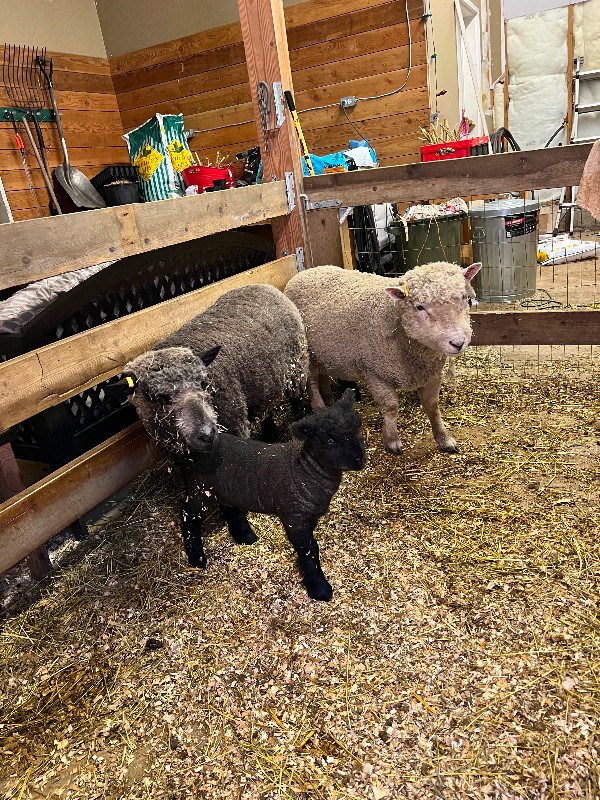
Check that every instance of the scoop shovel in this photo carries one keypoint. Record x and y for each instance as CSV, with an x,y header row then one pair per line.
x,y
73,181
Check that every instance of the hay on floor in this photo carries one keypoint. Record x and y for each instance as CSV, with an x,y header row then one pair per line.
x,y
459,657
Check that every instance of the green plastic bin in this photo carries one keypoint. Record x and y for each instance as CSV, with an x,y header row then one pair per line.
x,y
429,240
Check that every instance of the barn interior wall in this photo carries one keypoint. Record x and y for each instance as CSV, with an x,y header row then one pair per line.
x,y
64,26
129,25
70,30
336,49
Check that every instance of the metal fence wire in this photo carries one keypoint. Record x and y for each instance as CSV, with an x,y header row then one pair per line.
x,y
534,259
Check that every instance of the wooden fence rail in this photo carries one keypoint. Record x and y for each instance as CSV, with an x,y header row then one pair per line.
x,y
40,248
45,377
460,177
32,517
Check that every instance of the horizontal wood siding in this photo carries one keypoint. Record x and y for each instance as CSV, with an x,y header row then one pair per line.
x,y
92,125
336,49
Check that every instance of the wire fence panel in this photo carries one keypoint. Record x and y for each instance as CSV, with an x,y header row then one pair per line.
x,y
537,255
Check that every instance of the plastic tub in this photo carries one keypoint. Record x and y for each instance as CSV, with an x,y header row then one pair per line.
x,y
460,149
429,240
204,177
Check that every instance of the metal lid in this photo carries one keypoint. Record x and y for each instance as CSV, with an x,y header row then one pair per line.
x,y
505,207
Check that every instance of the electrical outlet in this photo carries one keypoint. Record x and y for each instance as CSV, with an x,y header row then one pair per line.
x,y
348,102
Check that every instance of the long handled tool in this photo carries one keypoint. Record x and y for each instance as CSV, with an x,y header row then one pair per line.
x,y
43,164
73,181
303,146
21,147
22,81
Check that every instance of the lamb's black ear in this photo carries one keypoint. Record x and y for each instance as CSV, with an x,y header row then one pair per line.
x,y
121,389
210,355
348,398
301,429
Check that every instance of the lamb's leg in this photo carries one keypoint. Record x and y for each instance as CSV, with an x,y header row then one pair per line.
x,y
192,517
386,398
297,407
314,391
430,396
268,429
238,525
300,533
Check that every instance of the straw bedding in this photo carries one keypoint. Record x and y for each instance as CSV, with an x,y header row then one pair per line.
x,y
459,657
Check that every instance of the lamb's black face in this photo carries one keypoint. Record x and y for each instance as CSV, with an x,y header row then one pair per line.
x,y
333,435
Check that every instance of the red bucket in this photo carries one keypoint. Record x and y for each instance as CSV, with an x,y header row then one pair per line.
x,y
203,177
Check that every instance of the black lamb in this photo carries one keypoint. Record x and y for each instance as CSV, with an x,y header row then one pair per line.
x,y
294,480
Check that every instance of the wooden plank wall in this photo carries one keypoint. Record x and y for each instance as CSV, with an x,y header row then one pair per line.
x,y
337,48
92,127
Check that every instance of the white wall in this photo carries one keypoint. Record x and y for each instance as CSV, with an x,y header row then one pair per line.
x,y
66,26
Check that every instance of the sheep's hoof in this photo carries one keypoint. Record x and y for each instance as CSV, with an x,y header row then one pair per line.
x,y
448,446
395,448
198,562
318,589
247,538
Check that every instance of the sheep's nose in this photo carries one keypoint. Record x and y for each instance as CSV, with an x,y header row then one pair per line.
x,y
206,437
457,345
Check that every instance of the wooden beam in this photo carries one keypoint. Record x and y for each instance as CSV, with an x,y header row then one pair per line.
x,y
39,248
478,175
570,57
536,327
11,483
325,237
32,517
45,377
506,76
268,60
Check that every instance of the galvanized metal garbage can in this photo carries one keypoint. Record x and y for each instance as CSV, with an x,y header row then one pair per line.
x,y
505,234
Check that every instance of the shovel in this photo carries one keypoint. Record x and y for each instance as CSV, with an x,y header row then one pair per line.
x,y
73,181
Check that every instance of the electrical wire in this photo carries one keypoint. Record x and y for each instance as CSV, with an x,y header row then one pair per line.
x,y
353,125
332,105
399,89
433,57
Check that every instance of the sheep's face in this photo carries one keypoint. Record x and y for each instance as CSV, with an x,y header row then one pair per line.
x,y
333,435
433,306
173,399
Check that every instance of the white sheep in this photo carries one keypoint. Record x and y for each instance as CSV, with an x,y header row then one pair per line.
x,y
393,333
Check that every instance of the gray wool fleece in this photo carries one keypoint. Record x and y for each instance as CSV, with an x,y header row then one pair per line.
x,y
263,357
354,327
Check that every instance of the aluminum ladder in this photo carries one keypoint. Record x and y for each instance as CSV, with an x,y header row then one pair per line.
x,y
579,75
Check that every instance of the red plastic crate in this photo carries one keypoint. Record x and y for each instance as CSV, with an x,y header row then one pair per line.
x,y
459,149
203,177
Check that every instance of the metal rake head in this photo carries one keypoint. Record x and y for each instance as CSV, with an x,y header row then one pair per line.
x,y
22,77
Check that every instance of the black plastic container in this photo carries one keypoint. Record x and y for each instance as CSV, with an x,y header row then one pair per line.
x,y
118,194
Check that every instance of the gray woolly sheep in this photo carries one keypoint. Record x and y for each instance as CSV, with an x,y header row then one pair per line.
x,y
294,480
228,366
394,333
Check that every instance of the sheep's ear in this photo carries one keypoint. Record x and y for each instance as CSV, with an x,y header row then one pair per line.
x,y
121,389
348,398
397,292
472,270
210,355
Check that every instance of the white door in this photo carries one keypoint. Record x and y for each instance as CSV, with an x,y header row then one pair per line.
x,y
467,93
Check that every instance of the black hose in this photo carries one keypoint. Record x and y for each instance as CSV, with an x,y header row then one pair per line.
x,y
497,137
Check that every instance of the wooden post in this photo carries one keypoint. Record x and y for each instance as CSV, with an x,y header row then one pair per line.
x,y
506,73
11,483
325,237
267,57
570,58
